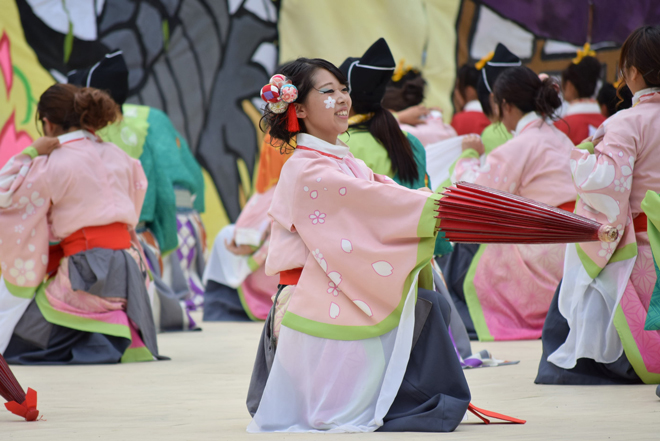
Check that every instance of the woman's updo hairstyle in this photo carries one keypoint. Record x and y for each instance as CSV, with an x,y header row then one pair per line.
x,y
70,106
407,92
641,50
584,76
301,74
524,89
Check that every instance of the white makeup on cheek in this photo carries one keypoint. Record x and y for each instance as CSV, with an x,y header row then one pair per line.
x,y
330,102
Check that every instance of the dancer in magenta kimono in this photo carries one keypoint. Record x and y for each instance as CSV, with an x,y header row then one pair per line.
x,y
604,323
504,291
356,336
84,300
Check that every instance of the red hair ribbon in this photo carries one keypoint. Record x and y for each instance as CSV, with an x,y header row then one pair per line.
x,y
292,119
27,409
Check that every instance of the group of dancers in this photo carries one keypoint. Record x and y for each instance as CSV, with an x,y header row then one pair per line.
x,y
368,310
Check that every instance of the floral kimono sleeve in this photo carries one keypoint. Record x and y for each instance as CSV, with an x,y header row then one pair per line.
x,y
465,168
368,242
24,205
603,179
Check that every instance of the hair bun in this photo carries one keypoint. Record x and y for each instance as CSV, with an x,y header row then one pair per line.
x,y
547,96
95,107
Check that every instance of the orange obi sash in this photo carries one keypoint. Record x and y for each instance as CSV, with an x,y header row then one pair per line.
x,y
290,277
112,237
641,223
568,206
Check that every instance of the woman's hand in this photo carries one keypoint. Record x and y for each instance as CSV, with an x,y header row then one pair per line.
x,y
238,250
46,144
473,142
413,115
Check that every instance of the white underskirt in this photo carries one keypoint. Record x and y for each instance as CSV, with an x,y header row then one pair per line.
x,y
323,385
589,306
12,309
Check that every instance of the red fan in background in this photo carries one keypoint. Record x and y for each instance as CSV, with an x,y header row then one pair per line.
x,y
472,213
19,403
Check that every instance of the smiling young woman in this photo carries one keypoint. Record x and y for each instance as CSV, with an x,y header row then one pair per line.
x,y
342,349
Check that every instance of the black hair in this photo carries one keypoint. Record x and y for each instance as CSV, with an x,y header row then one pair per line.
x,y
407,92
584,76
524,89
641,51
607,96
385,128
467,76
483,94
301,73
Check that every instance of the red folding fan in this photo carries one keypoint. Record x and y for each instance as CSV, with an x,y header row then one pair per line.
x,y
471,213
19,403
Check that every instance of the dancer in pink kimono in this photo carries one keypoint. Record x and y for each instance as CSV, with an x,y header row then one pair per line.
x,y
504,291
353,337
604,323
84,299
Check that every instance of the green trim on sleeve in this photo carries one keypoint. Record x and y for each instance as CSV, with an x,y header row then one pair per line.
x,y
246,308
426,233
472,300
589,146
631,349
625,253
30,151
252,264
76,322
24,292
589,265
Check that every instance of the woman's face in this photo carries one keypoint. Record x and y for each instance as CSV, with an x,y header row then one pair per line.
x,y
510,116
634,80
326,107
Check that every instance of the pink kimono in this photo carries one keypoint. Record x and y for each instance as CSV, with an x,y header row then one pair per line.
x,y
246,274
508,288
607,288
84,183
345,339
430,131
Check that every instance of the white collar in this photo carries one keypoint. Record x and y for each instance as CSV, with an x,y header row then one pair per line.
x,y
312,142
75,136
583,107
473,106
526,120
641,93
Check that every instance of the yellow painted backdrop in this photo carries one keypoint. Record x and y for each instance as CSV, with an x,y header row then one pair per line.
x,y
338,29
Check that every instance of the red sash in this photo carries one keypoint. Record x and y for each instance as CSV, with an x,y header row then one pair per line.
x,y
290,277
641,223
113,237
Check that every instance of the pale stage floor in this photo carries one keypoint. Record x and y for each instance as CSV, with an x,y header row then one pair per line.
x,y
200,395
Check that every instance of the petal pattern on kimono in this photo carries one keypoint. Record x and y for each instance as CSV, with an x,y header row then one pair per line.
x,y
603,203
364,307
346,245
334,310
335,277
600,177
382,268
